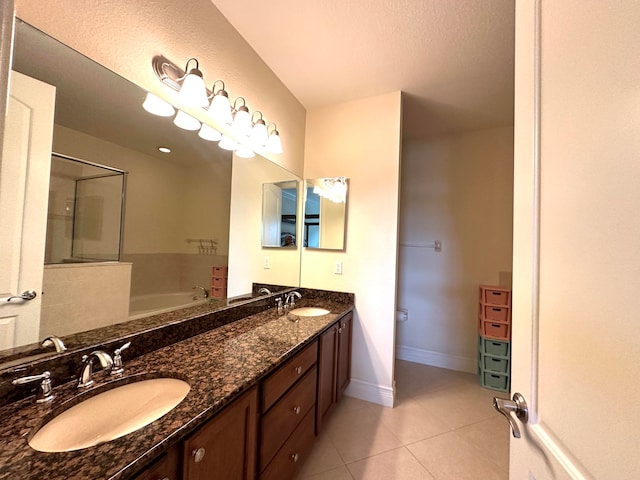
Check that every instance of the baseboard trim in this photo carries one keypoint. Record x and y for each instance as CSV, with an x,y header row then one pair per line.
x,y
371,392
436,359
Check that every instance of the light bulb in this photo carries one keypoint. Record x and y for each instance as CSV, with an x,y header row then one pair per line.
x,y
228,143
209,133
274,145
242,122
245,152
186,121
157,106
193,91
259,136
220,108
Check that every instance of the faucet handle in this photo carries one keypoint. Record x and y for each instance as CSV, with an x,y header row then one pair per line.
x,y
45,392
118,368
279,304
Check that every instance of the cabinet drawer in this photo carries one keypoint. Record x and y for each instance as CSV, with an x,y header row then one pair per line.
x,y
285,376
499,331
495,364
495,347
496,381
495,296
219,282
497,314
218,292
220,271
285,415
293,453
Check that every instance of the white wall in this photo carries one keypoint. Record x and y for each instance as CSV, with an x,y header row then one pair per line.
x,y
361,140
246,254
124,36
456,189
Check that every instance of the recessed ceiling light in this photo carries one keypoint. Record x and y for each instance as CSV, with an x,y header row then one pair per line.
x,y
164,149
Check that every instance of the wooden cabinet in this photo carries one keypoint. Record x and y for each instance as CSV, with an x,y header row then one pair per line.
x,y
288,414
165,468
334,366
269,431
225,448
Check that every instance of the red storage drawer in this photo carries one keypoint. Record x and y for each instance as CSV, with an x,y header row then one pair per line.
x,y
220,271
218,292
499,331
219,282
496,314
495,296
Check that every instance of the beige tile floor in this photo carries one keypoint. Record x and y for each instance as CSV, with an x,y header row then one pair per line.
x,y
442,428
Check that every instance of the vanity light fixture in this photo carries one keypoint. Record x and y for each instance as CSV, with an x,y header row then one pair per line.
x,y
220,108
193,90
228,143
259,135
333,189
186,121
189,84
241,119
209,133
274,145
157,106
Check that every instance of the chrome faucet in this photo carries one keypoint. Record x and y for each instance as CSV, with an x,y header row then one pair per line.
x,y
56,342
45,392
205,292
290,299
118,367
86,372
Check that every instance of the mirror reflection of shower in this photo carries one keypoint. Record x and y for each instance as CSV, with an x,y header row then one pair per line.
x,y
84,220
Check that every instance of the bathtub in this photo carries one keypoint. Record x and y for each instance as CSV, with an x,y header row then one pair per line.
x,y
146,305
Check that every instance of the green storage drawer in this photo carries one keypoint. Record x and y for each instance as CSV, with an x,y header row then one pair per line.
x,y
495,364
495,348
495,381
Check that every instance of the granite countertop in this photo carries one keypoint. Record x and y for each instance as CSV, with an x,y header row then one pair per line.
x,y
219,365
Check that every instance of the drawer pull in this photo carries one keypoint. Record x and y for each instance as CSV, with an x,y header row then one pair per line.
x,y
295,457
298,369
198,455
496,325
297,410
496,309
340,330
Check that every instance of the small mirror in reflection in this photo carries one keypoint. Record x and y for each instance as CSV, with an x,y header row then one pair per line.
x,y
279,208
325,213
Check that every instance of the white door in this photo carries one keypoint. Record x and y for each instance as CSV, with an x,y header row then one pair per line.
x,y
24,192
576,308
271,214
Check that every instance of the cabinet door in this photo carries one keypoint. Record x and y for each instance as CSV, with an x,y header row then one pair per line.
x,y
345,326
327,361
225,448
165,468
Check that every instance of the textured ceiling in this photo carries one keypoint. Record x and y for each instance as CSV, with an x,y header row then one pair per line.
x,y
454,59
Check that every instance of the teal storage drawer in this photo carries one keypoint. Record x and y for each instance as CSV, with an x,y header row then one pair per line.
x,y
495,381
495,348
495,364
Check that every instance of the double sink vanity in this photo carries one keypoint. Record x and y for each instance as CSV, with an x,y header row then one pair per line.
x,y
242,400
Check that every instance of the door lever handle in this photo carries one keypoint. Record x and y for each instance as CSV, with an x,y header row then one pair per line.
x,y
26,295
518,406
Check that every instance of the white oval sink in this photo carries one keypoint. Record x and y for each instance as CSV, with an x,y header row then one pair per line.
x,y
110,415
309,311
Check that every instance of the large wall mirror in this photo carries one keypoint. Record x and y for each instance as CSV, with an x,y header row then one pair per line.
x,y
325,213
175,225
